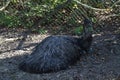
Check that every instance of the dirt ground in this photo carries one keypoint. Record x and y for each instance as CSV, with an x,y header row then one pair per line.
x,y
102,64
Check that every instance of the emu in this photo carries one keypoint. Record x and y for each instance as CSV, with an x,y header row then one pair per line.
x,y
57,53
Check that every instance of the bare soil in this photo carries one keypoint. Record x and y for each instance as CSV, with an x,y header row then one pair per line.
x,y
102,64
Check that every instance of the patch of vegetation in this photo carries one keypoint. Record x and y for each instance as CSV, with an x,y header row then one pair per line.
x,y
29,13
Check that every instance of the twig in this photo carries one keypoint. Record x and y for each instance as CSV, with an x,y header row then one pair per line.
x,y
112,15
105,17
115,3
1,9
25,35
90,7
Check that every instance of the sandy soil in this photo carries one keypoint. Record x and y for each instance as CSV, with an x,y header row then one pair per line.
x,y
102,64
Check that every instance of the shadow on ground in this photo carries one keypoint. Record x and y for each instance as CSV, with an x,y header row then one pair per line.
x,y
102,64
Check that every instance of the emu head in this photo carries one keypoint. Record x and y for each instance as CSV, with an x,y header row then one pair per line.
x,y
87,38
87,28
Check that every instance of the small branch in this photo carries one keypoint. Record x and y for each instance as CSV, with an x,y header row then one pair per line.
x,y
115,4
1,9
90,7
105,17
112,15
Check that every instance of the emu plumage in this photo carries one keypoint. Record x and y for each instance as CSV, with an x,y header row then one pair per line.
x,y
56,53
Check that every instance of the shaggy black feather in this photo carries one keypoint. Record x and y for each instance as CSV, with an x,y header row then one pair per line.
x,y
55,53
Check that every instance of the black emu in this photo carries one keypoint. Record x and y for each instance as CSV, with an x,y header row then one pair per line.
x,y
56,53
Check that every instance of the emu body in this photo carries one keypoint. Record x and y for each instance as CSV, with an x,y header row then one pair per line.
x,y
55,53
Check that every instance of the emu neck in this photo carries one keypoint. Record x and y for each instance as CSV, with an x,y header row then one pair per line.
x,y
85,42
